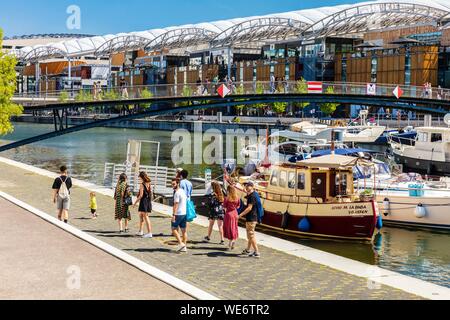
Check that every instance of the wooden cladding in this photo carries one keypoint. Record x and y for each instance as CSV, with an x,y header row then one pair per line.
x,y
391,66
445,41
50,68
390,35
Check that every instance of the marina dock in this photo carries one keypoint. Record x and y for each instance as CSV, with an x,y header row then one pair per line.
x,y
281,273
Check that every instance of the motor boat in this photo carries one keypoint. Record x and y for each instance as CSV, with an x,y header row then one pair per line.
x,y
405,136
429,154
316,197
406,199
306,131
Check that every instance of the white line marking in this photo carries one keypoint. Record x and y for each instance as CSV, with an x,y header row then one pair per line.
x,y
152,271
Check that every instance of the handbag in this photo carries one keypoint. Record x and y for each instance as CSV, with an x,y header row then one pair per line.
x,y
128,200
191,214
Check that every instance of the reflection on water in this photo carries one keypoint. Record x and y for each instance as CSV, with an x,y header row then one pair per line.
x,y
85,156
419,253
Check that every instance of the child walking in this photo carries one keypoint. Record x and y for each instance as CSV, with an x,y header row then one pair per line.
x,y
93,205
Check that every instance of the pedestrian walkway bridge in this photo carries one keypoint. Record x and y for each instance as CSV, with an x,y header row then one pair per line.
x,y
125,104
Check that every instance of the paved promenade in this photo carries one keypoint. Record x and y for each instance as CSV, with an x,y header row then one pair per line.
x,y
210,267
36,265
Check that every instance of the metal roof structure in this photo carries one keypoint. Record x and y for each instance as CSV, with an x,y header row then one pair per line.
x,y
342,20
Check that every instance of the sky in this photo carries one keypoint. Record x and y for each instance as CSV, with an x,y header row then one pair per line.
x,y
99,17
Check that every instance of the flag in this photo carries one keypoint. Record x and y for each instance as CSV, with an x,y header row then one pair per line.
x,y
223,91
398,92
315,87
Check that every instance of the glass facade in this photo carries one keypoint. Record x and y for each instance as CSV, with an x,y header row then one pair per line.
x,y
407,67
374,69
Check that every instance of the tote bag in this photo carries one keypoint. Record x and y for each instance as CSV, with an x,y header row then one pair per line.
x,y
191,214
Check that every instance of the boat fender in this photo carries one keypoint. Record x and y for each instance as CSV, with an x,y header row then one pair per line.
x,y
304,225
386,207
420,211
379,225
285,220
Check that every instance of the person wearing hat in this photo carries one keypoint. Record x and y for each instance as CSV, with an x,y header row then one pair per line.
x,y
251,217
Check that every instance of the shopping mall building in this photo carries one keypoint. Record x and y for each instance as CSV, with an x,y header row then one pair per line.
x,y
391,42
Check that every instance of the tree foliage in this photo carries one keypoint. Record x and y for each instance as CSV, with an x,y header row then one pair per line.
x,y
279,107
187,92
240,91
301,87
63,96
329,107
146,94
7,89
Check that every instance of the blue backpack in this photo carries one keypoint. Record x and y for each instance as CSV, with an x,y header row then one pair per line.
x,y
259,207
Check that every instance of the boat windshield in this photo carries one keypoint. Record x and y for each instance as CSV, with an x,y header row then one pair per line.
x,y
364,172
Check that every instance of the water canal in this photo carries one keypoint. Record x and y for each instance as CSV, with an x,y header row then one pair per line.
x,y
419,253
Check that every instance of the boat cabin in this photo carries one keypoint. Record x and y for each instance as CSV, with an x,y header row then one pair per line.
x,y
321,180
433,143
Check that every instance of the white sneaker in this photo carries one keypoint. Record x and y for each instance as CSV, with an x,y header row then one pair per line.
x,y
182,248
148,236
140,233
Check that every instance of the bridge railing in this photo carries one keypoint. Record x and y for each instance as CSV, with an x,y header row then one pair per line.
x,y
210,89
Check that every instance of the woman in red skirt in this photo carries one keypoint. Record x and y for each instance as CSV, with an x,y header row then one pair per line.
x,y
230,224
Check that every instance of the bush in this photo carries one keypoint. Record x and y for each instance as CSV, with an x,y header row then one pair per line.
x,y
63,96
110,95
84,96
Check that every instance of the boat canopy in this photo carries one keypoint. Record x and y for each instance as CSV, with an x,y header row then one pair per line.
x,y
334,161
342,152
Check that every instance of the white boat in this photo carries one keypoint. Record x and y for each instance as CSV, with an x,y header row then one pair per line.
x,y
306,131
429,154
283,149
407,199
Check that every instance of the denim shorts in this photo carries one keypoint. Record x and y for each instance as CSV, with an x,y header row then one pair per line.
x,y
180,222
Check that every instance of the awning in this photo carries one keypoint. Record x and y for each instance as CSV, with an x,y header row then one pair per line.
x,y
342,152
333,161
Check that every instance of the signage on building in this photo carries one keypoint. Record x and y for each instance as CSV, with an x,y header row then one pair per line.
x,y
398,92
223,91
371,89
315,87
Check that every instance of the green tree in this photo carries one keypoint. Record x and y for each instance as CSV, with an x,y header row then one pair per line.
x,y
84,96
110,95
279,107
301,87
187,92
7,89
146,94
240,91
260,90
63,96
329,107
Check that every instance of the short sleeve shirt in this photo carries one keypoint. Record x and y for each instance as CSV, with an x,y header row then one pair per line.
x,y
57,183
181,199
252,216
186,185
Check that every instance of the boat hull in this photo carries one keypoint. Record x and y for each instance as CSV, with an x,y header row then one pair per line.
x,y
400,210
423,165
347,220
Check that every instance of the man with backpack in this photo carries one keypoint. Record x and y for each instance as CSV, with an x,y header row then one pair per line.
x,y
61,194
252,216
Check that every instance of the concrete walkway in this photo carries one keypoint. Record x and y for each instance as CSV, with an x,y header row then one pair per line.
x,y
210,267
40,261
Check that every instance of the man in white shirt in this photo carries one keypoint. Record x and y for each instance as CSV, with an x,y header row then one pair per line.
x,y
179,218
